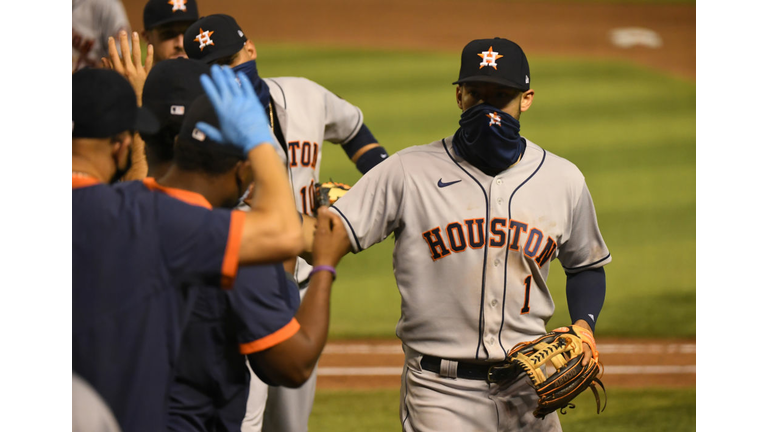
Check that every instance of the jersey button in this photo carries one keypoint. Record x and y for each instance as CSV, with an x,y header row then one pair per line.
x,y
491,342
494,302
499,201
499,181
496,263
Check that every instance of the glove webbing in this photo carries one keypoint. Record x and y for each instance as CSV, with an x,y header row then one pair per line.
x,y
548,399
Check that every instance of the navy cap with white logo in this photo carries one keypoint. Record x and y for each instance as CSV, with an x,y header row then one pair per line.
x,y
213,37
202,110
497,61
170,88
161,12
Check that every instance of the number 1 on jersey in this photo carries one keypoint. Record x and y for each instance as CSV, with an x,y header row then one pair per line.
x,y
308,198
526,305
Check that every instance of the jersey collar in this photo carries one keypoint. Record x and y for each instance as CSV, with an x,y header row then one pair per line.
x,y
81,180
188,197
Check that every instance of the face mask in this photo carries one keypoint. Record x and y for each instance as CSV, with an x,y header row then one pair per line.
x,y
262,90
119,173
489,139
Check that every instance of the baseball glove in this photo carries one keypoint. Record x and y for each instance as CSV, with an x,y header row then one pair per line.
x,y
326,194
562,348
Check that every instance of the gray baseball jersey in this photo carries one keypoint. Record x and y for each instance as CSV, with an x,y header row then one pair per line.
x,y
93,22
308,114
472,252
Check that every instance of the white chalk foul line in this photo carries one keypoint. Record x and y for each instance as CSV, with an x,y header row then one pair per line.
x,y
604,349
358,371
609,370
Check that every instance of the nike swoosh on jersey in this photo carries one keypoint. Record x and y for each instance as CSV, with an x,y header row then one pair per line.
x,y
442,185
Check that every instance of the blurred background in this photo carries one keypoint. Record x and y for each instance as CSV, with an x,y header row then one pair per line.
x,y
615,84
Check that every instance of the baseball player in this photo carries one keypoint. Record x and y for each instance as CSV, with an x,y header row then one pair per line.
x,y
164,24
256,318
131,247
303,115
478,216
93,22
168,92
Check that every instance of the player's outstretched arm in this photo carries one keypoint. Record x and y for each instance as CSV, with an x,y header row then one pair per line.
x,y
308,227
291,362
272,229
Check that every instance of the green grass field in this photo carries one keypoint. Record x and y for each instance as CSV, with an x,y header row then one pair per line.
x,y
648,410
629,129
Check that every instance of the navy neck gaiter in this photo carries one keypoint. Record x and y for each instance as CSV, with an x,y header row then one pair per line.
x,y
261,88
489,139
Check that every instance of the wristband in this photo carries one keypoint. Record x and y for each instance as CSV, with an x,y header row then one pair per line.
x,y
371,158
323,267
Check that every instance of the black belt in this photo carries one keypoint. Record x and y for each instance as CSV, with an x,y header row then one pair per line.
x,y
489,372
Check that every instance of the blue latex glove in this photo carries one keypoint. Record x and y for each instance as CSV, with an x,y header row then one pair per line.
x,y
242,120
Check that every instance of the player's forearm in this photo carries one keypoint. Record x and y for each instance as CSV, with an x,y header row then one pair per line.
x,y
272,230
364,150
139,167
314,317
585,292
314,314
291,362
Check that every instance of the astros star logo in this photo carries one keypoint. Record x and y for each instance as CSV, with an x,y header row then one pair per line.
x,y
489,58
495,119
178,5
204,38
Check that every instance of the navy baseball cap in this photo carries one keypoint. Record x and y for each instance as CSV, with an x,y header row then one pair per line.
x,y
202,110
104,104
497,61
161,12
213,37
170,88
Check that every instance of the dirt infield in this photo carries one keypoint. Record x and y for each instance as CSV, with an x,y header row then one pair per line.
x,y
657,35
628,363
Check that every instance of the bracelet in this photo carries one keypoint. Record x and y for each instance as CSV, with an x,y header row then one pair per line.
x,y
323,267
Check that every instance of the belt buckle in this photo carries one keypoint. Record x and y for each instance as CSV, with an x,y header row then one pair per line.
x,y
503,371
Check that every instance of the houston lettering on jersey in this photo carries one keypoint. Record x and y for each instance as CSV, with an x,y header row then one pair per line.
x,y
456,237
303,153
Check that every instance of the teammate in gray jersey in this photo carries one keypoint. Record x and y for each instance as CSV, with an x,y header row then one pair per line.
x,y
303,115
93,23
478,217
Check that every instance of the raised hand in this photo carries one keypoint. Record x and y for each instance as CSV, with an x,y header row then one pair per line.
x,y
127,67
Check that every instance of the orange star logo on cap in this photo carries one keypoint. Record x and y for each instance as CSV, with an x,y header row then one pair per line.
x,y
489,58
204,38
178,5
